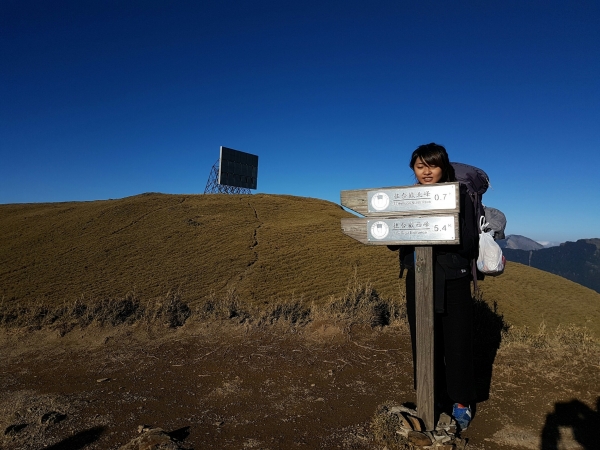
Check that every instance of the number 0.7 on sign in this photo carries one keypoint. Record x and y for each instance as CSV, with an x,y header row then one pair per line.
x,y
420,198
441,198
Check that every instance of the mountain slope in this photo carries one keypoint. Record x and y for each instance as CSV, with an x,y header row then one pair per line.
x,y
516,241
576,261
265,247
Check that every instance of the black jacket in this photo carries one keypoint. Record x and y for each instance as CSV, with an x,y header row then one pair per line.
x,y
450,261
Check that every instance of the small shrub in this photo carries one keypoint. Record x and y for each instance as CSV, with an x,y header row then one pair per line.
x,y
361,304
223,308
171,310
384,425
524,336
292,312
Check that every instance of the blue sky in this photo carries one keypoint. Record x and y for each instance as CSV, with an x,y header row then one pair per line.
x,y
107,99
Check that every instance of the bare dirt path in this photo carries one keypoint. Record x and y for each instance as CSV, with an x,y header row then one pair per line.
x,y
234,387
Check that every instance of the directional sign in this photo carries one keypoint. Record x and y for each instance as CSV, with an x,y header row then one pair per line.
x,y
419,215
427,228
403,200
408,230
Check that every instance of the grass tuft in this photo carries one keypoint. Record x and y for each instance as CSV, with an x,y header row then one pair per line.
x,y
293,312
564,338
384,425
224,307
358,304
361,304
170,311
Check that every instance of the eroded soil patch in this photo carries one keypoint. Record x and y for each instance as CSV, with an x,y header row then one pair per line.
x,y
230,387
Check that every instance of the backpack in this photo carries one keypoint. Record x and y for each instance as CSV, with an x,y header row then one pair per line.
x,y
496,222
477,182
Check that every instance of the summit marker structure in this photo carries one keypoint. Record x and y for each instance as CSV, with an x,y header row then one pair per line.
x,y
235,172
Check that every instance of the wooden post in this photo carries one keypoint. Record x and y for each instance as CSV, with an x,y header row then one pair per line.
x,y
424,331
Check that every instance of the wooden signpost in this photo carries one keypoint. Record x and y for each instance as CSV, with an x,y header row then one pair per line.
x,y
419,215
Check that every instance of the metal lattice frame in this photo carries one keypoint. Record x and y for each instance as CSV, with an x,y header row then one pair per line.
x,y
213,186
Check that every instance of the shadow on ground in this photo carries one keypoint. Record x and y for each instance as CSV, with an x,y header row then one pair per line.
x,y
487,336
581,421
79,440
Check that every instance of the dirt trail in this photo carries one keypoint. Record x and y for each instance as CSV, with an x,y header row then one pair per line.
x,y
233,387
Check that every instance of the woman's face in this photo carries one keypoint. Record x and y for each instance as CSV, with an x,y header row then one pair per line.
x,y
427,174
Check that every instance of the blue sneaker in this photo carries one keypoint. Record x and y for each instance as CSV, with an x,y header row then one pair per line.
x,y
462,415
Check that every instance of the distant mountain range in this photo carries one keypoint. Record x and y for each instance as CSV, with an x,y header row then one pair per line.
x,y
576,261
518,242
548,244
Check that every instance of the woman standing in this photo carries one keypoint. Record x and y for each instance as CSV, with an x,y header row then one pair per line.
x,y
453,350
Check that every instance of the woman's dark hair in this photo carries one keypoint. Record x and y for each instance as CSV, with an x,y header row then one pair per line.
x,y
434,155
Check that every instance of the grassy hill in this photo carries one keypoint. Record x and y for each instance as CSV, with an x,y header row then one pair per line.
x,y
268,248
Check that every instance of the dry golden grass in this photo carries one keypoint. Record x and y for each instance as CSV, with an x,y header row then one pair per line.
x,y
569,340
239,256
528,297
264,247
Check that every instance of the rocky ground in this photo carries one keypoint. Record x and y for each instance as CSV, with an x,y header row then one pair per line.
x,y
225,386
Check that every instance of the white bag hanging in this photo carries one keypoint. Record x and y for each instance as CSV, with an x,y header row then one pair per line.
x,y
490,260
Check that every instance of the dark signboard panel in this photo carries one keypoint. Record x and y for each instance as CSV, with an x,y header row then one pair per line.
x,y
238,169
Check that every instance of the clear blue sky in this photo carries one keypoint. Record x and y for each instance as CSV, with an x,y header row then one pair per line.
x,y
107,99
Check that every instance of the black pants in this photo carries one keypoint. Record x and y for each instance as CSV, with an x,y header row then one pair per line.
x,y
453,341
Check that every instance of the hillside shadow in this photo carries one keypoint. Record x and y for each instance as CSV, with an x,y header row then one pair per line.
x,y
78,440
580,418
487,336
